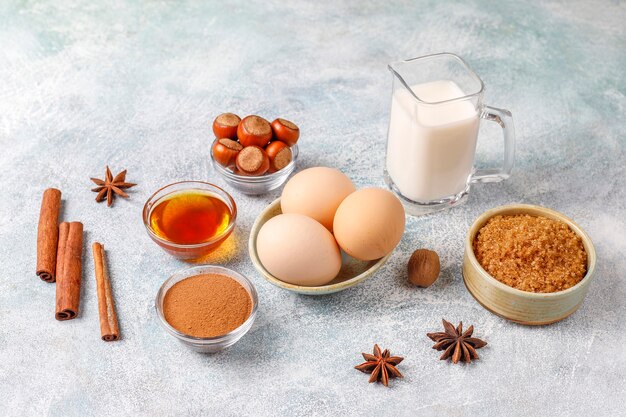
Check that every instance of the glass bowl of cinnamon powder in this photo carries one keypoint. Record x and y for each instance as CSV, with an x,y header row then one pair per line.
x,y
207,308
527,263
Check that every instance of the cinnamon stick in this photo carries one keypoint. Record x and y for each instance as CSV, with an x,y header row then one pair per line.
x,y
64,229
48,234
106,306
68,281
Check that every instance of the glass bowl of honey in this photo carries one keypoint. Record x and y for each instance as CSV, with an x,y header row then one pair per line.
x,y
255,185
189,219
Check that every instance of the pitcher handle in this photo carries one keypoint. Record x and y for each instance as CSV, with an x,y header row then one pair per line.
x,y
505,120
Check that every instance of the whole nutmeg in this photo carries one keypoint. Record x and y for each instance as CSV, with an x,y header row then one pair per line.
x,y
424,268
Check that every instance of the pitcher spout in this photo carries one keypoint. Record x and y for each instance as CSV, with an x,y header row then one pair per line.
x,y
436,67
397,70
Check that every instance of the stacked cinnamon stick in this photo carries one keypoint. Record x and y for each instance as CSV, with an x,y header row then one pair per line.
x,y
59,254
69,270
59,259
48,235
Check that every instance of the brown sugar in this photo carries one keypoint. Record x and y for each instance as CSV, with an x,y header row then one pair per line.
x,y
534,254
207,305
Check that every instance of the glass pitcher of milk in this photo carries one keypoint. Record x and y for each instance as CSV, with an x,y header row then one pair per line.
x,y
436,108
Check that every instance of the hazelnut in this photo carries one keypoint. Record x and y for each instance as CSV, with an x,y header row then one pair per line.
x,y
225,125
279,154
424,267
285,131
225,151
252,161
254,131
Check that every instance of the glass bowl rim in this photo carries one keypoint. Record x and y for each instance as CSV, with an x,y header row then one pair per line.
x,y
213,339
228,200
295,151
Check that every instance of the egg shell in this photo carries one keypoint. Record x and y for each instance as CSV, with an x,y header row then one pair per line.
x,y
298,250
369,223
316,192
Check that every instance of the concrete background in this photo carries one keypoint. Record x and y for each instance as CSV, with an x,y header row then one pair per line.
x,y
136,84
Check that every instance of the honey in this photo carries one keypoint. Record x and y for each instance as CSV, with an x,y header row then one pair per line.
x,y
190,217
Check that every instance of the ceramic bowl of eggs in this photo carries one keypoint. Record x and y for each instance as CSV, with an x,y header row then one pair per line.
x,y
323,235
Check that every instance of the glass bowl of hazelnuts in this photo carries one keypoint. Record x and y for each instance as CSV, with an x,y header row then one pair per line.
x,y
253,155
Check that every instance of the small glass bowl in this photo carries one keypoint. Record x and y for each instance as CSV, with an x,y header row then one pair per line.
x,y
197,250
257,185
207,344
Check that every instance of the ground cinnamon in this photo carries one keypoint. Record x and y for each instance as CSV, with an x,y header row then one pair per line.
x,y
106,307
48,235
207,305
69,277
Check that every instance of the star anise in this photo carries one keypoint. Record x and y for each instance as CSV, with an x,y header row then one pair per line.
x,y
111,186
457,344
380,365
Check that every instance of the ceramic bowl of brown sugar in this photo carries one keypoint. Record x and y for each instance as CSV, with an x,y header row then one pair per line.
x,y
207,307
528,264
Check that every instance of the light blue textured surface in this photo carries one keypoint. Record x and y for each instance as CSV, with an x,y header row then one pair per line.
x,y
136,84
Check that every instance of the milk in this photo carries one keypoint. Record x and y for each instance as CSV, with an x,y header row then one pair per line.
x,y
430,148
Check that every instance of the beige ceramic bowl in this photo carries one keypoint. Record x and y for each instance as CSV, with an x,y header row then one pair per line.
x,y
352,270
522,306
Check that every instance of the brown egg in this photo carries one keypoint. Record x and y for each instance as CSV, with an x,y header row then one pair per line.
x,y
369,223
316,192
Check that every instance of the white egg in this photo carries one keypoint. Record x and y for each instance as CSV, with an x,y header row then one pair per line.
x,y
298,250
